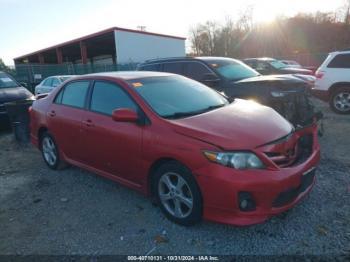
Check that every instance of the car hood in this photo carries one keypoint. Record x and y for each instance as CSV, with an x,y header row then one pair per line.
x,y
241,125
271,78
293,70
13,94
288,82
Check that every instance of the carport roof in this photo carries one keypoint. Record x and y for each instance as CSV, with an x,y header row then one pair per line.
x,y
106,31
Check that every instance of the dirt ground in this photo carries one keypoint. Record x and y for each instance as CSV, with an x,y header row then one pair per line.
x,y
76,212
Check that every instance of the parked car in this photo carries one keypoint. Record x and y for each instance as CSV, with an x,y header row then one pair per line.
x,y
10,91
333,81
295,64
291,63
287,94
271,66
49,83
174,139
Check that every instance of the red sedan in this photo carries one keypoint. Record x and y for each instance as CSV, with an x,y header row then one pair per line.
x,y
196,153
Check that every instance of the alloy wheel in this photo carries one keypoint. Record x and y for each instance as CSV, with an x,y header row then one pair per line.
x,y
49,151
342,101
175,195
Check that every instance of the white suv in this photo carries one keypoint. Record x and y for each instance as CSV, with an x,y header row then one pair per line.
x,y
333,81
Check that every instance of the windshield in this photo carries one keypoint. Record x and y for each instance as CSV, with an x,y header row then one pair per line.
x,y
232,69
177,96
6,81
277,64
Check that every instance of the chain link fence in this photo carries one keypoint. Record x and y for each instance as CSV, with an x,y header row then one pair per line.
x,y
33,74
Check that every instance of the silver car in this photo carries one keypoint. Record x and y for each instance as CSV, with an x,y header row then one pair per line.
x,y
49,83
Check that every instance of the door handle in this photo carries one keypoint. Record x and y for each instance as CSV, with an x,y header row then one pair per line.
x,y
52,113
88,123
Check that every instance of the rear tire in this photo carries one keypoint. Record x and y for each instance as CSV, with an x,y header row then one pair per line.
x,y
340,100
50,152
177,193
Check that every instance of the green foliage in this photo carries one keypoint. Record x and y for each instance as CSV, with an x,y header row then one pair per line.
x,y
5,68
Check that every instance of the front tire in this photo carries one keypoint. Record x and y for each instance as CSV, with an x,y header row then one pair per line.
x,y
50,152
178,194
340,100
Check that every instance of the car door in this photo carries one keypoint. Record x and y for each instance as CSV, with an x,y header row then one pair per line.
x,y
110,146
338,69
64,118
203,74
175,67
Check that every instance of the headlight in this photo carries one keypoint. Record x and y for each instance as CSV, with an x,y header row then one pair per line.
x,y
278,94
282,93
238,160
307,78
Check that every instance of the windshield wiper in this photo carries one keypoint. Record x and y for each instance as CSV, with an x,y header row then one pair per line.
x,y
192,113
213,107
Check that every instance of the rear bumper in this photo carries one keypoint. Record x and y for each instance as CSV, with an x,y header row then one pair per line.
x,y
320,94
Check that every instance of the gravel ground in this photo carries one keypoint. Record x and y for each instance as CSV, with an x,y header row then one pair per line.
x,y
76,212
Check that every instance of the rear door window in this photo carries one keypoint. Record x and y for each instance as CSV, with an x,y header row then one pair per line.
x,y
196,70
174,67
340,61
252,64
74,94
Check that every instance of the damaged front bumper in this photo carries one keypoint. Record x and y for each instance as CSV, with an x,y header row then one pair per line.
x,y
290,174
298,109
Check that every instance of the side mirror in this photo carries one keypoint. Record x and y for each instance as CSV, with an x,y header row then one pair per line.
x,y
125,115
210,78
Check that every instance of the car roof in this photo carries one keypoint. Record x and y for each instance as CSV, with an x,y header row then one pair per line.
x,y
63,76
126,75
340,52
259,59
189,58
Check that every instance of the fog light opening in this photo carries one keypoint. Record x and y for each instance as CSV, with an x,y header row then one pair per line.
x,y
244,204
246,201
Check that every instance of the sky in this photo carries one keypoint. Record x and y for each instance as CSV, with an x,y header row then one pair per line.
x,y
30,25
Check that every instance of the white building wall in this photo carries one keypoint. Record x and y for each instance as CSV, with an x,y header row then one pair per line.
x,y
135,47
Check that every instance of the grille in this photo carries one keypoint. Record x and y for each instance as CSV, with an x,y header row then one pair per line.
x,y
295,155
288,196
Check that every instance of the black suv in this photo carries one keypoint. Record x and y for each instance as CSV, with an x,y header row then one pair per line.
x,y
287,94
10,91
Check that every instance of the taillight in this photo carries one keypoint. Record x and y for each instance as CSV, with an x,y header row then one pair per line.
x,y
30,109
319,74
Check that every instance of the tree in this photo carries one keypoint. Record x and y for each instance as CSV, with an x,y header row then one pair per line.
x,y
315,33
5,68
